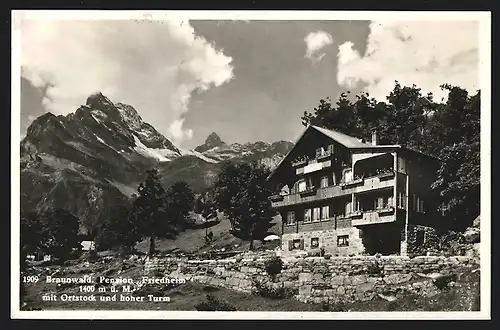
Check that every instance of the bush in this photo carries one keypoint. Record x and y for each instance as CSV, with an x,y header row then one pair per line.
x,y
268,290
274,266
374,268
214,304
209,238
337,306
92,256
442,282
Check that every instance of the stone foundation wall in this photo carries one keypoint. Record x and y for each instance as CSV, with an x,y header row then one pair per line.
x,y
313,279
327,239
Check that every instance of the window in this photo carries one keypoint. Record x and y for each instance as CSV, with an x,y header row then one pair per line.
x,y
343,240
334,179
296,244
348,175
348,208
302,186
357,205
320,152
290,218
314,242
307,215
325,212
379,203
331,149
420,205
389,202
316,214
324,182
401,200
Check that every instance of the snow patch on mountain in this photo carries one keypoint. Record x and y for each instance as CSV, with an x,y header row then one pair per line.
x,y
199,155
158,154
100,140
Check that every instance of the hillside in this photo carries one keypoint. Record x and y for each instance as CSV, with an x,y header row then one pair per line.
x,y
193,240
93,159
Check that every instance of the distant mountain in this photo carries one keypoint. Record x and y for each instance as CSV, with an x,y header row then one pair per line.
x,y
92,159
267,153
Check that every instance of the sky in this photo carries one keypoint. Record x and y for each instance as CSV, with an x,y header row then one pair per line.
x,y
245,80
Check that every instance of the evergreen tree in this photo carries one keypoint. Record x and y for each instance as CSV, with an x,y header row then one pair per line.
x,y
30,234
242,193
59,233
149,210
118,230
180,202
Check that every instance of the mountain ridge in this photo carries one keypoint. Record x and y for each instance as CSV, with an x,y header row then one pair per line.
x,y
94,158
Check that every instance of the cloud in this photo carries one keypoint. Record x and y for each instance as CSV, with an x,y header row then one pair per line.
x,y
426,54
153,65
315,41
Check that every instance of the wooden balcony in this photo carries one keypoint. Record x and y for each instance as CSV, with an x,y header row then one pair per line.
x,y
299,162
276,198
372,183
374,217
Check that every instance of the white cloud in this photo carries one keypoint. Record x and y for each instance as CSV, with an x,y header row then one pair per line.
x,y
177,131
154,66
316,41
425,53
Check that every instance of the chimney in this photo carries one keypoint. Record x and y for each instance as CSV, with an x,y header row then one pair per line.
x,y
374,137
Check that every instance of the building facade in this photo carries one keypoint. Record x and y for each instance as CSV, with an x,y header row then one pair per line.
x,y
347,197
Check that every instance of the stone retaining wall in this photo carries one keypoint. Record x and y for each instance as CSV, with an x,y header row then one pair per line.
x,y
315,279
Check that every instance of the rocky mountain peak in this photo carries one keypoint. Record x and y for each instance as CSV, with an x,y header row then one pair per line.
x,y
98,101
212,141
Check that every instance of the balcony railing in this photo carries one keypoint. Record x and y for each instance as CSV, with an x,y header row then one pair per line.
x,y
355,214
386,210
276,198
326,154
375,216
351,183
299,162
308,192
331,192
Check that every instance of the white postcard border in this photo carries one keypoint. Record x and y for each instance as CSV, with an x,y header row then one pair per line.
x,y
485,85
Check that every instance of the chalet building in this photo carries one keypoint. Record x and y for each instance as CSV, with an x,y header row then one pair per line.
x,y
348,197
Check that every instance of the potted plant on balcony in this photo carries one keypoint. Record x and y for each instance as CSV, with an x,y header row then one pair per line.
x,y
385,173
300,161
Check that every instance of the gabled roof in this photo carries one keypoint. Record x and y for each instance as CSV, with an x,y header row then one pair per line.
x,y
344,139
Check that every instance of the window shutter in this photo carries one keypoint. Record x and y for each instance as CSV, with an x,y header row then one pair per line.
x,y
302,244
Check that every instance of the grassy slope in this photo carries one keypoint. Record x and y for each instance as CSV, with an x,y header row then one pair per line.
x,y
193,240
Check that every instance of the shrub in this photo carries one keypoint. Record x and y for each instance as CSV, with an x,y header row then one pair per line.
x,y
92,256
374,268
214,304
209,237
268,290
337,306
274,266
442,282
